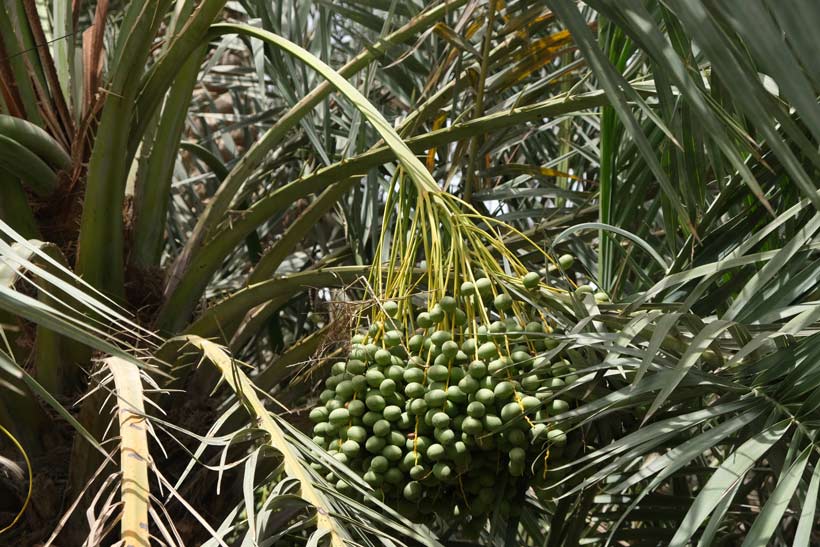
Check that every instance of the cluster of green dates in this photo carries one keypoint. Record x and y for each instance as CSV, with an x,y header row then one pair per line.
x,y
439,410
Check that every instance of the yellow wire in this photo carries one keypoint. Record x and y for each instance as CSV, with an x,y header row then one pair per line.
x,y
30,479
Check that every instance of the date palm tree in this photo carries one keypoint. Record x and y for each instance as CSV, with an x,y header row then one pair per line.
x,y
192,194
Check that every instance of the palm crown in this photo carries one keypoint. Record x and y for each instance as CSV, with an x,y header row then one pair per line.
x,y
198,199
